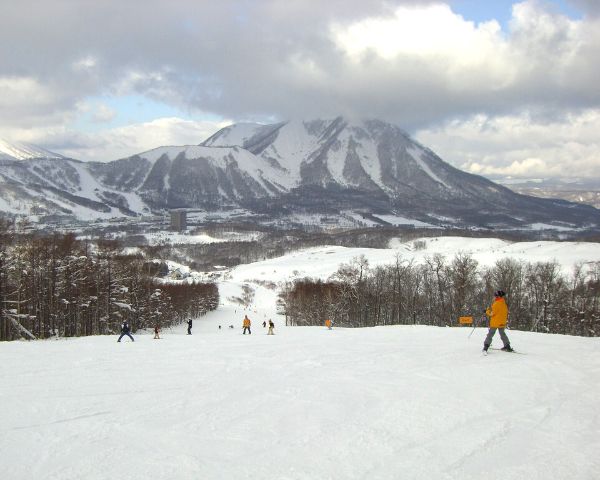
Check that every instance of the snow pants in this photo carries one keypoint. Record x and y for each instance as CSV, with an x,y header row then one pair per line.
x,y
270,332
247,328
126,333
492,332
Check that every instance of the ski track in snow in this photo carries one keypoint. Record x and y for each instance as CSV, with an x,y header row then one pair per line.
x,y
308,403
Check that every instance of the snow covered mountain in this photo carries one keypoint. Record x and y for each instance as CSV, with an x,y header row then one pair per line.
x,y
24,151
61,186
319,166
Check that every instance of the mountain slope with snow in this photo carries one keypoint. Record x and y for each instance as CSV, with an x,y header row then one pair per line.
x,y
23,151
376,166
325,167
61,186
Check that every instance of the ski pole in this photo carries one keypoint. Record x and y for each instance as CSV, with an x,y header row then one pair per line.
x,y
474,326
473,329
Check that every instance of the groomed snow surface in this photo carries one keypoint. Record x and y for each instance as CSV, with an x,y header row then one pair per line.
x,y
400,402
307,403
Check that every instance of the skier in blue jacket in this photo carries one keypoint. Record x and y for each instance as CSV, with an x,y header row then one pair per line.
x,y
125,330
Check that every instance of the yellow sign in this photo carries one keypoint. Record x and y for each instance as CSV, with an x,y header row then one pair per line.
x,y
465,320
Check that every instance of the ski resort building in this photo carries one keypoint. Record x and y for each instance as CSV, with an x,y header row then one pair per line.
x,y
178,220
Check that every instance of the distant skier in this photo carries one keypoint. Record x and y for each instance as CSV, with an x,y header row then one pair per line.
x,y
264,324
189,326
246,324
328,324
156,331
498,315
271,327
125,330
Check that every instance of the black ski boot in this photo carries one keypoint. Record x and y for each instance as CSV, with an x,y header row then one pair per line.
x,y
507,348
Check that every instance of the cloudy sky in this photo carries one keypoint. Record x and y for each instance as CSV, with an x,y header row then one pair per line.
x,y
494,87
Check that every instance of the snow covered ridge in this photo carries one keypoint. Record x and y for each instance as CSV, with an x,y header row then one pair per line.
x,y
22,151
295,167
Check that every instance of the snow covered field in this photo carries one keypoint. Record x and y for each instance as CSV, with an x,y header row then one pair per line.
x,y
321,262
306,404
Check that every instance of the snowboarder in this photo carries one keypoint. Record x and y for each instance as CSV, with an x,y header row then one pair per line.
x,y
156,330
190,326
498,315
271,327
328,324
125,330
246,324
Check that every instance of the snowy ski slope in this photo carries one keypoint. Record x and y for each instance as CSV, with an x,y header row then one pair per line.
x,y
307,403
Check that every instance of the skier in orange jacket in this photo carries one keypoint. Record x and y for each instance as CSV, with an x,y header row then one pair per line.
x,y
328,323
498,315
246,324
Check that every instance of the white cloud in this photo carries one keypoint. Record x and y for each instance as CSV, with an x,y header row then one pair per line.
x,y
424,31
28,103
115,143
85,63
103,114
520,145
415,63
129,140
18,91
590,7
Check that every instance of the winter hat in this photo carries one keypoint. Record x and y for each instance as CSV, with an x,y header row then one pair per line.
x,y
499,293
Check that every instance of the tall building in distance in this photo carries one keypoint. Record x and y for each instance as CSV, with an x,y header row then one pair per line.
x,y
178,220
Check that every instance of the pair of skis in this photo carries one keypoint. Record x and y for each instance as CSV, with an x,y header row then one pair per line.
x,y
500,350
491,348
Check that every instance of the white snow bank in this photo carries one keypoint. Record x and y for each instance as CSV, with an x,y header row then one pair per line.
x,y
174,238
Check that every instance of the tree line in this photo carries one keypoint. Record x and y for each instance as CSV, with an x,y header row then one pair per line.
x,y
59,286
539,296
